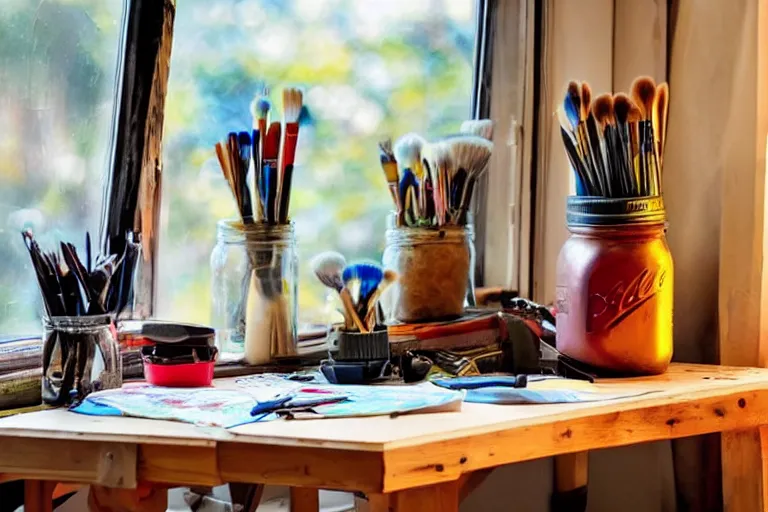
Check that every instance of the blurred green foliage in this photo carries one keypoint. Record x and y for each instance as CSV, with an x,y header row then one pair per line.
x,y
369,69
58,63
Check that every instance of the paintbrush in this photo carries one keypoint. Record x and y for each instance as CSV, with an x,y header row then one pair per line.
x,y
260,107
328,267
371,305
602,110
643,92
659,121
584,182
389,166
622,105
292,103
407,152
471,154
442,166
243,161
269,179
479,127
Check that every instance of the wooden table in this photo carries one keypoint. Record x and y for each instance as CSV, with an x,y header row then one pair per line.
x,y
418,462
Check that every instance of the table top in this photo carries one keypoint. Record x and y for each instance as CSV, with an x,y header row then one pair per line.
x,y
426,448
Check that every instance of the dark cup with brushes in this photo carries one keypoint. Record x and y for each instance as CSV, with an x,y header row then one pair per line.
x,y
615,272
255,264
363,342
430,238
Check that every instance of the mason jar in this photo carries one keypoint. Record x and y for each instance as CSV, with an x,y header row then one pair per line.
x,y
615,281
80,356
254,269
435,267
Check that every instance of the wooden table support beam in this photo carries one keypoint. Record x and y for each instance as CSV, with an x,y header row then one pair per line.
x,y
305,499
570,485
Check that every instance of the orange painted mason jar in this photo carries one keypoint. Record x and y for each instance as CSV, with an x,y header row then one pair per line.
x,y
615,285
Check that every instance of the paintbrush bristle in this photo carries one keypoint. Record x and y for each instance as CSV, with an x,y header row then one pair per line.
x,y
661,110
260,107
643,91
602,109
292,103
586,99
407,152
328,267
480,127
573,95
388,163
635,115
621,107
470,153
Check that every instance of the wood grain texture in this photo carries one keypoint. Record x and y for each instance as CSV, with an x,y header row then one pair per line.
x,y
744,463
743,273
303,467
305,499
434,498
112,464
38,496
182,465
571,471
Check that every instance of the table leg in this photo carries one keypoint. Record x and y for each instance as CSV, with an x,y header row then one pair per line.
x,y
432,498
38,496
145,498
745,469
570,485
305,499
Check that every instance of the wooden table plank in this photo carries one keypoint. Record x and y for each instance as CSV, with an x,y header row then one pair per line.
x,y
384,455
111,464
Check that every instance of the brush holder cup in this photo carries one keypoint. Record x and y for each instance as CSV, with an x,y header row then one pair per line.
x,y
254,271
615,284
435,269
80,356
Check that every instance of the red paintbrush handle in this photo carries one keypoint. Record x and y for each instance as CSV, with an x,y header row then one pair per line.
x,y
290,137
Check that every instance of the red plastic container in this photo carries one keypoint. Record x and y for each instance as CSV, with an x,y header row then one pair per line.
x,y
192,375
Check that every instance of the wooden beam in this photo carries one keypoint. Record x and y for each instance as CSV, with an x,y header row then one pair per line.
x,y
304,499
110,464
433,498
133,198
38,496
743,282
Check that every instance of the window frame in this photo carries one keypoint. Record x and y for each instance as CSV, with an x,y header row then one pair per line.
x,y
132,191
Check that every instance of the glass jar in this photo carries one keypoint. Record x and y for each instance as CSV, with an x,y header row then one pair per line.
x,y
80,356
435,269
254,270
615,286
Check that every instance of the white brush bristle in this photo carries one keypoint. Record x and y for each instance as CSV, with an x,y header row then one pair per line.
x,y
471,153
292,102
408,150
441,156
482,128
328,267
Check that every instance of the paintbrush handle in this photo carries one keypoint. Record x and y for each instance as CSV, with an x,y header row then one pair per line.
x,y
285,195
270,189
349,306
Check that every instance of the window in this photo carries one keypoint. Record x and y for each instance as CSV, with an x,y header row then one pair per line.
x,y
368,68
58,68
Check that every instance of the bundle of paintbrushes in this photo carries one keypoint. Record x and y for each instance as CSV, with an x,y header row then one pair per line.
x,y
615,144
269,149
432,183
359,286
69,287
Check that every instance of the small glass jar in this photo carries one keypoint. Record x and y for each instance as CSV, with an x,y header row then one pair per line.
x,y
435,269
80,356
254,270
615,286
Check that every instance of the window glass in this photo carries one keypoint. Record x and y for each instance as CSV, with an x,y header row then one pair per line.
x,y
58,69
368,68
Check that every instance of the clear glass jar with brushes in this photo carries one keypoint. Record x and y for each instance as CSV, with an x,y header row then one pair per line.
x,y
254,270
81,355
